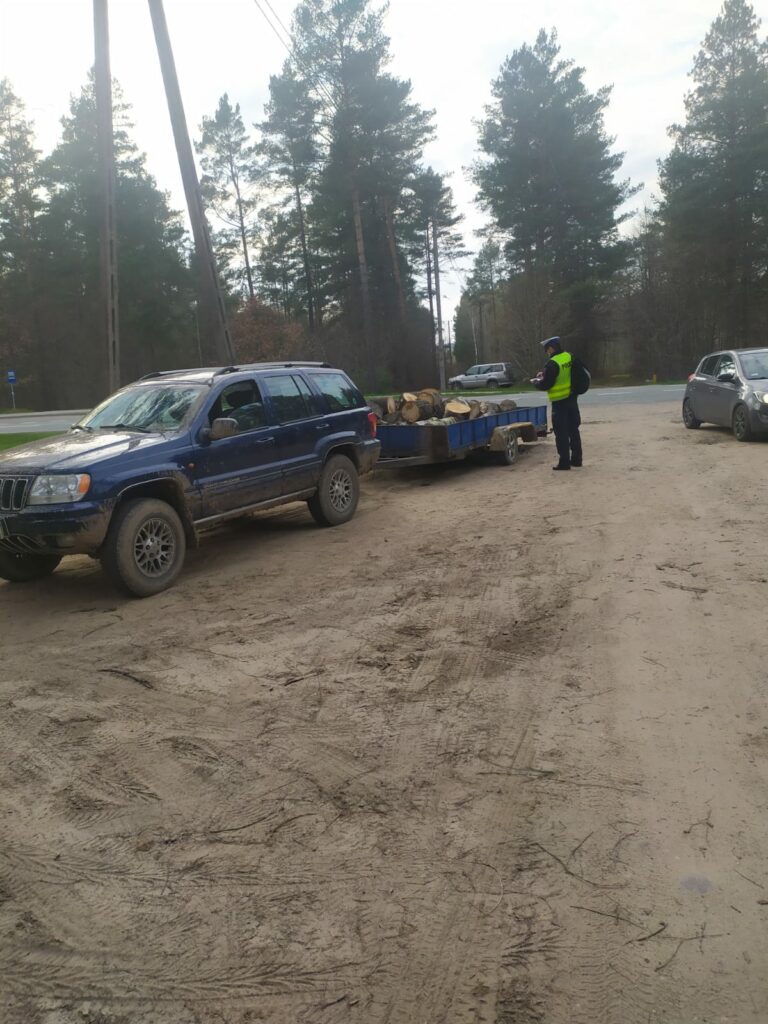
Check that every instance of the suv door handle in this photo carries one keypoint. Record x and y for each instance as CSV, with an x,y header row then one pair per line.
x,y
322,426
265,440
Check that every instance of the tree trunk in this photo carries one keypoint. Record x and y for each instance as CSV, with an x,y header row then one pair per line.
x,y
441,349
365,295
430,290
305,258
393,255
244,239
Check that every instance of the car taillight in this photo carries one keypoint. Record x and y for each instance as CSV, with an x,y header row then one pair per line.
x,y
372,421
690,377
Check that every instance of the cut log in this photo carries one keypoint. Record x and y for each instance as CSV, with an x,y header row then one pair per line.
x,y
378,409
408,396
507,404
392,405
489,408
457,407
392,417
413,411
474,409
431,396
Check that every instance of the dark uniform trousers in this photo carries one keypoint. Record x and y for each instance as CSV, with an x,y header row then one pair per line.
x,y
566,420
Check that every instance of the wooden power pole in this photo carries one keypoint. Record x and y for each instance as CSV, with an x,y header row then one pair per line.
x,y
211,288
106,171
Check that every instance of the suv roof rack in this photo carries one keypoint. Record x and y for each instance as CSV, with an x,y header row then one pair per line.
x,y
171,373
222,370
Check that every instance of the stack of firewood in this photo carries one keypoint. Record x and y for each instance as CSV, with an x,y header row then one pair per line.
x,y
428,407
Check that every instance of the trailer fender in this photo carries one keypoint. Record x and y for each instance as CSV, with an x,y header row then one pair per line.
x,y
524,431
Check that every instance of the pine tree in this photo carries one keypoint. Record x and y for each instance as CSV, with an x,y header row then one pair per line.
x,y
156,318
715,189
548,177
292,154
20,203
372,136
229,172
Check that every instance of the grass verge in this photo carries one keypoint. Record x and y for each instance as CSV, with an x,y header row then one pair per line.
x,y
14,440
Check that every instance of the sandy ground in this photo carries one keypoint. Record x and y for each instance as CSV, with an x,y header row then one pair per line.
x,y
496,751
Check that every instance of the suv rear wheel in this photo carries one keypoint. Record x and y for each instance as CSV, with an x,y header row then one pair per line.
x,y
145,547
22,568
337,493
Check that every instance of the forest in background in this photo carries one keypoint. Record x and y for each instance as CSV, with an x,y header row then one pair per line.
x,y
328,222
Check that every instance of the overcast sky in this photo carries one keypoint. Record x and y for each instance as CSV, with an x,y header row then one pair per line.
x,y
450,49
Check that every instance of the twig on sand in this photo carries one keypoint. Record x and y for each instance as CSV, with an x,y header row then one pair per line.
x,y
615,916
574,874
127,675
699,937
576,848
748,879
650,935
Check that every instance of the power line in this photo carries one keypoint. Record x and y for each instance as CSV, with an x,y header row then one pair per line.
x,y
293,52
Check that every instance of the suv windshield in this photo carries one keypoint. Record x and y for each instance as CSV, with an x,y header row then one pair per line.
x,y
754,365
146,407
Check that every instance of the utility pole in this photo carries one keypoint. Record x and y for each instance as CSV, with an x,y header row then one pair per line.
x,y
211,288
106,172
438,303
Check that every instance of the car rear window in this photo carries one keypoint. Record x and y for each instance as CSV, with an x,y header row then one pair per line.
x,y
339,391
708,365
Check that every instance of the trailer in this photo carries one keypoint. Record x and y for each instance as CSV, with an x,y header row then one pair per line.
x,y
420,444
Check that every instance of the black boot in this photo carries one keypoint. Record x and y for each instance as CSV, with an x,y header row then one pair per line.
x,y
560,466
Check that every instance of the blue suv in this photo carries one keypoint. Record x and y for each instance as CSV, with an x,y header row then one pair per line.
x,y
135,480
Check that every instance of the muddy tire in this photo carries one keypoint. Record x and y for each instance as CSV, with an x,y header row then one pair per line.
x,y
689,419
742,430
145,547
23,568
337,494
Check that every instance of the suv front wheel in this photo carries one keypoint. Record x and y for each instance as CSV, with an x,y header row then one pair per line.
x,y
337,493
145,547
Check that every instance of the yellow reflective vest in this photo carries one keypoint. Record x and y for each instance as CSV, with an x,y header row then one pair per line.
x,y
562,386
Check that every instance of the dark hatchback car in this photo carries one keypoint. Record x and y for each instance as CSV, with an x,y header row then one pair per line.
x,y
135,480
730,389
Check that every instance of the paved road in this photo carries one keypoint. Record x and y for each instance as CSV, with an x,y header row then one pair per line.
x,y
608,396
39,422
42,422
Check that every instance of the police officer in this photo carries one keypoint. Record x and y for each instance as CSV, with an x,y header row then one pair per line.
x,y
556,380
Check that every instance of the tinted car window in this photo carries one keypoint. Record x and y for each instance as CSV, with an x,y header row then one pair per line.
x,y
339,392
708,365
241,402
287,400
310,398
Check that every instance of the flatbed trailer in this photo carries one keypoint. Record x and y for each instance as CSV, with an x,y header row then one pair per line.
x,y
420,444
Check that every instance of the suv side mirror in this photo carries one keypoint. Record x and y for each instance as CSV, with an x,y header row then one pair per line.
x,y
223,427
727,377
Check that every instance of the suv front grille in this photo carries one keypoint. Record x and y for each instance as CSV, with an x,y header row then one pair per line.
x,y
13,492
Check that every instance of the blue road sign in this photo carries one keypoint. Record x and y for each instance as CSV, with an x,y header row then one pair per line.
x,y
11,376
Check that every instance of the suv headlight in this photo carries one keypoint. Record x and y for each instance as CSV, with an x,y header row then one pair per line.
x,y
59,488
762,397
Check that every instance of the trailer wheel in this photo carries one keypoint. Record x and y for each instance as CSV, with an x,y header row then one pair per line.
x,y
511,452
